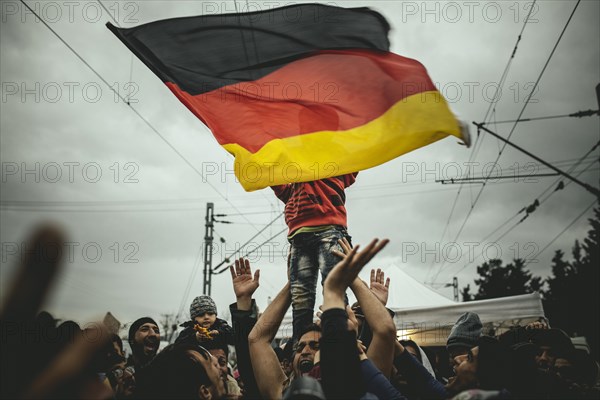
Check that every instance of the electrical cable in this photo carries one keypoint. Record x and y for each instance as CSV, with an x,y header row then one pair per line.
x,y
512,130
132,108
478,141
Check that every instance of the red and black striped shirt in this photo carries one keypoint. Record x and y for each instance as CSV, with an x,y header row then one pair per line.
x,y
315,203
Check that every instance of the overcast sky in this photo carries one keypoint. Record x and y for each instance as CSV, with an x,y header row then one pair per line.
x,y
134,209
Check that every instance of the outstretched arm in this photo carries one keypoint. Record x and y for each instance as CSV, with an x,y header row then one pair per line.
x,y
381,349
243,319
267,370
340,368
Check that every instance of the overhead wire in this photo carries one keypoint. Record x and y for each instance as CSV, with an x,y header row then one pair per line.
x,y
535,256
190,281
132,108
227,258
478,141
579,114
109,13
523,209
84,207
512,130
253,250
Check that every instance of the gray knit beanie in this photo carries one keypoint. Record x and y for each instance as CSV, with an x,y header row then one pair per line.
x,y
202,304
465,332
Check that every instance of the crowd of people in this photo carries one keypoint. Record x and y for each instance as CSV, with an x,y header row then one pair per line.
x,y
346,352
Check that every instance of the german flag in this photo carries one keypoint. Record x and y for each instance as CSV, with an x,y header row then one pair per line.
x,y
297,93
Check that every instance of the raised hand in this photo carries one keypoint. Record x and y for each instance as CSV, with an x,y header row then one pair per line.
x,y
377,286
244,285
69,373
344,273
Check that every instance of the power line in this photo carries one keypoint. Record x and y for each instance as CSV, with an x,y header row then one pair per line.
x,y
512,130
478,141
258,247
109,13
534,258
539,203
227,258
478,178
565,174
188,287
132,108
526,104
523,209
150,202
579,114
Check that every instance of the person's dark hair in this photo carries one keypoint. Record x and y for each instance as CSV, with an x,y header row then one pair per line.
x,y
288,351
67,332
304,388
173,373
523,370
45,320
309,328
494,367
410,343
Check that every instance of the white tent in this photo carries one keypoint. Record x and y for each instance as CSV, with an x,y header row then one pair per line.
x,y
430,326
405,292
426,317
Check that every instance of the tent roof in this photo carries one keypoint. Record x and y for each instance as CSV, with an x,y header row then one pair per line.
x,y
427,317
407,292
430,326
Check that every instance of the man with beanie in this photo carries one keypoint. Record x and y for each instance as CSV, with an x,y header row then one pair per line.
x,y
144,340
464,335
204,328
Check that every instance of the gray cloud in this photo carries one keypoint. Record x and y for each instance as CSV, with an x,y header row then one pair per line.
x,y
399,200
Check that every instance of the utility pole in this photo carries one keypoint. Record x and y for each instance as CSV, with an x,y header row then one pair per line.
x,y
208,248
455,286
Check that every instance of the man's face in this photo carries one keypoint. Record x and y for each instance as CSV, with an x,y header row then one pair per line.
x,y
221,357
211,366
147,339
465,368
305,350
206,320
545,358
455,352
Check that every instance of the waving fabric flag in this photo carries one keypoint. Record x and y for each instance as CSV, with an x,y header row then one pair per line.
x,y
296,93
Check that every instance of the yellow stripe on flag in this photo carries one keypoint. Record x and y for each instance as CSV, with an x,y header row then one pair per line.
x,y
411,123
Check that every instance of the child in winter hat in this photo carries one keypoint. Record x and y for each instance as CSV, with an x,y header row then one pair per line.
x,y
204,327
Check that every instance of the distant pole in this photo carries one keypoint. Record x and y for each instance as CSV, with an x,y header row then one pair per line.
x,y
208,248
455,286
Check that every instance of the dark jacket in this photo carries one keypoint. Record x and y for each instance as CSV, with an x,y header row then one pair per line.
x,y
419,378
220,341
243,321
341,376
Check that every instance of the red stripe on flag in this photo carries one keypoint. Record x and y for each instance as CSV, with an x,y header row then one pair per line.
x,y
330,90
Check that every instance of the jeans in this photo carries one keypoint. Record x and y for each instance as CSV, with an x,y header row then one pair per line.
x,y
309,253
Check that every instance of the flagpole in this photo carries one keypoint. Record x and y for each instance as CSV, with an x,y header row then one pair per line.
x,y
589,188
